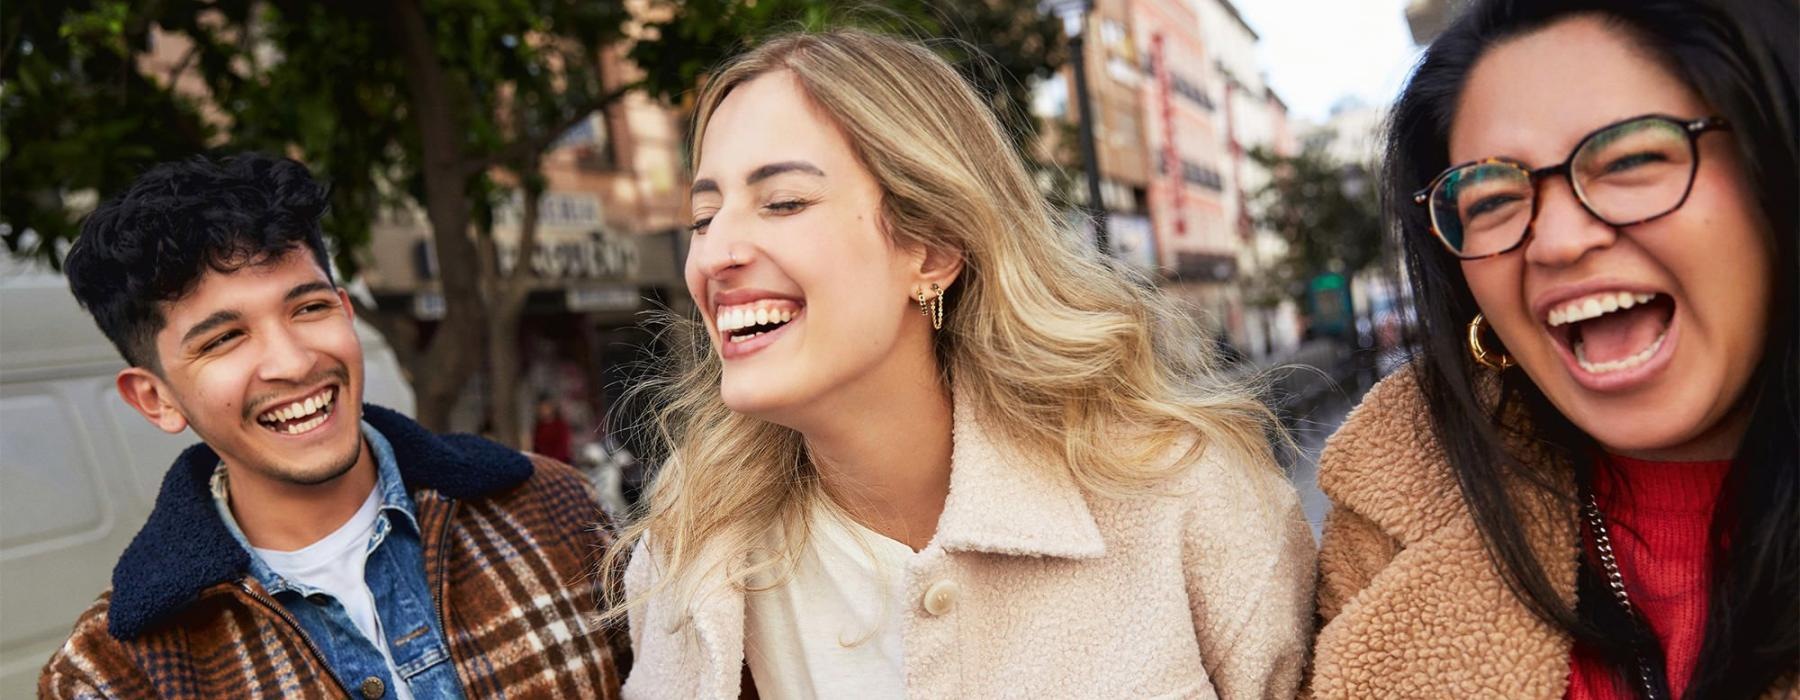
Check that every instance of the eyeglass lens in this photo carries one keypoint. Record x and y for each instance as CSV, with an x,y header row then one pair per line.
x,y
1623,174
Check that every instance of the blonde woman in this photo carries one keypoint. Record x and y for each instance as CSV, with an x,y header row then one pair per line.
x,y
924,446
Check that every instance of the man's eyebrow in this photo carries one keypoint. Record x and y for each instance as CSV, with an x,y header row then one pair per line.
x,y
704,185
305,289
218,318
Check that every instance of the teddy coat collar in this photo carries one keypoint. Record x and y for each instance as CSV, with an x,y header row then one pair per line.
x,y
1409,602
999,503
185,548
1411,605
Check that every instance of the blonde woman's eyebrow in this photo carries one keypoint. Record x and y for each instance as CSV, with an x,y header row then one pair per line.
x,y
788,166
709,185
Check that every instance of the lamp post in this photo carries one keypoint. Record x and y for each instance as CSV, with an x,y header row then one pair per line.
x,y
1074,15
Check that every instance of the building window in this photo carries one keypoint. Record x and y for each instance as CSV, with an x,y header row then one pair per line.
x,y
1193,173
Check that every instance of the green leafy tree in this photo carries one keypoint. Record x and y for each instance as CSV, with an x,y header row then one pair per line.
x,y
1325,210
444,105
1000,46
409,99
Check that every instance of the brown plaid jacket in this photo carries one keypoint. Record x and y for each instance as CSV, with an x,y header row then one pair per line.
x,y
510,546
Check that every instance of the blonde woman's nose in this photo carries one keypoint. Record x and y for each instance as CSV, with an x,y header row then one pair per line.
x,y
716,257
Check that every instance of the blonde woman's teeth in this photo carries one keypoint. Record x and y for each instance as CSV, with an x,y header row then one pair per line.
x,y
734,318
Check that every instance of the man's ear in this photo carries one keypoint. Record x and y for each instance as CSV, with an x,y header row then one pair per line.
x,y
147,393
344,298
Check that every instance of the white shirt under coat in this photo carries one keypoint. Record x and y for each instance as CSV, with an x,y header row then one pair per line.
x,y
833,628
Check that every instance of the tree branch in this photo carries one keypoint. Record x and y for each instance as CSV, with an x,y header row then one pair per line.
x,y
520,149
182,66
519,277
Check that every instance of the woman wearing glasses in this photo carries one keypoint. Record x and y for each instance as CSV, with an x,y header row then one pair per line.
x,y
1585,484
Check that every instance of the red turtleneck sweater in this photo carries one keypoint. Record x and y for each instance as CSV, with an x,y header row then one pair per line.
x,y
1658,515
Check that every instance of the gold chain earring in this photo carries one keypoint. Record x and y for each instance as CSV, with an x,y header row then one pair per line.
x,y
932,307
1492,360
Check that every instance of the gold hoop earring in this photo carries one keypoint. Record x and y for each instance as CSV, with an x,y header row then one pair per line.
x,y
1491,360
932,307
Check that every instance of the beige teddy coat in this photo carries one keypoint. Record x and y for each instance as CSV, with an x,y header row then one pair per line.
x,y
1411,607
1055,593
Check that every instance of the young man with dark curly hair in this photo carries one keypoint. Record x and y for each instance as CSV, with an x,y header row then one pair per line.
x,y
311,546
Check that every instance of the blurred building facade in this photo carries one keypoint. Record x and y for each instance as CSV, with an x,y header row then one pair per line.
x,y
609,247
1255,118
1179,103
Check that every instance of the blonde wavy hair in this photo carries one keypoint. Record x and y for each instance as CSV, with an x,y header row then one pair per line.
x,y
1060,352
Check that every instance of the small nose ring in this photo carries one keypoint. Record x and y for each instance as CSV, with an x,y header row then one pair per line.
x,y
735,262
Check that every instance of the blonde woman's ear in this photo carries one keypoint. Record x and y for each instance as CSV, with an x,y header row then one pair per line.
x,y
940,266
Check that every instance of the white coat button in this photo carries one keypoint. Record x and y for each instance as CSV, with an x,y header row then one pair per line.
x,y
940,598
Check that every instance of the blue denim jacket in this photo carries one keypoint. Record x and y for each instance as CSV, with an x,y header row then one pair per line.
x,y
395,573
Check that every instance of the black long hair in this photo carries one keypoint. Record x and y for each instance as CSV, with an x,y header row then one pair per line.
x,y
1740,57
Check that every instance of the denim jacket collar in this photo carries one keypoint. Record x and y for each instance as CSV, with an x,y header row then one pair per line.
x,y
396,507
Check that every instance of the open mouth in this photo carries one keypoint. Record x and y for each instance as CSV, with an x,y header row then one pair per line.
x,y
743,323
1615,331
300,416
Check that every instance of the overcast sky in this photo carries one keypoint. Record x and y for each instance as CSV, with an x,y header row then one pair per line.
x,y
1317,52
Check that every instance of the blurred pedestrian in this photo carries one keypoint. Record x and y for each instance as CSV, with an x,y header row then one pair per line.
x,y
550,434
925,444
1585,485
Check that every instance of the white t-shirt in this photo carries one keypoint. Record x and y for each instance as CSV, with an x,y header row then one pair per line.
x,y
834,629
335,566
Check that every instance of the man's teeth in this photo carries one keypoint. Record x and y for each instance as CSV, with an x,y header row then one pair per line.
x,y
1595,306
1624,363
317,404
731,318
297,428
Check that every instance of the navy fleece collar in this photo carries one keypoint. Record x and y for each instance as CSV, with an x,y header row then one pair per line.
x,y
184,548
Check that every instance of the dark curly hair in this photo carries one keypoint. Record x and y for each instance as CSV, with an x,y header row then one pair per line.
x,y
151,245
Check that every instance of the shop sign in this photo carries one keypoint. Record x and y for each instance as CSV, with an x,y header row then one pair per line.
x,y
597,255
555,209
613,298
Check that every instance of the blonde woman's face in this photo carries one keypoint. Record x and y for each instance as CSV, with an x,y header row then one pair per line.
x,y
1660,379
804,297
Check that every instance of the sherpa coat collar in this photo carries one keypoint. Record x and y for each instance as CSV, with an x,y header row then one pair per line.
x,y
184,547
1410,604
1199,595
999,503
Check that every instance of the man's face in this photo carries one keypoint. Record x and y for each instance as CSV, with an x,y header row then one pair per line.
x,y
264,364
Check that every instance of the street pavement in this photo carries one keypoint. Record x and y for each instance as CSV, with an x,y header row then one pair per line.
x,y
1309,433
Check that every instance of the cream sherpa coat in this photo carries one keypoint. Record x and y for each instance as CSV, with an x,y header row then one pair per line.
x,y
1057,594
1410,605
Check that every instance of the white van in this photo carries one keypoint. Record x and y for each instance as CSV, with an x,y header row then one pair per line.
x,y
79,469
